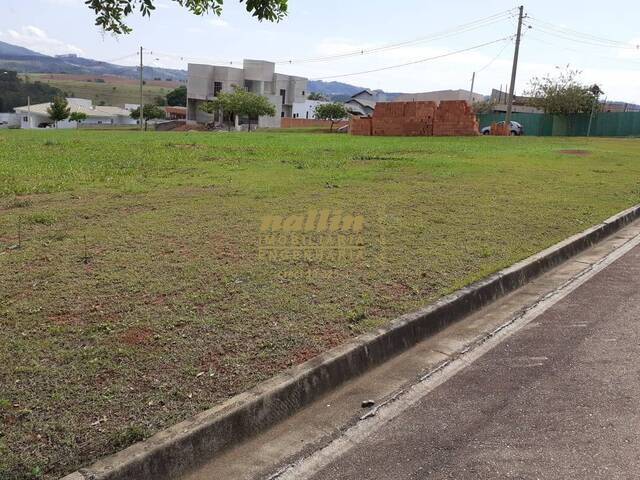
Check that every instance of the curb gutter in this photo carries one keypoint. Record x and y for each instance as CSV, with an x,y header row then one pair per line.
x,y
176,450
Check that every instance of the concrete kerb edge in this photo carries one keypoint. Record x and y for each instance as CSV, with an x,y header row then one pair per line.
x,y
177,449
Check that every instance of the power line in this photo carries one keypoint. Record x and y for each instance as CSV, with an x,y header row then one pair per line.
x,y
481,23
590,53
450,32
584,35
578,37
506,44
414,62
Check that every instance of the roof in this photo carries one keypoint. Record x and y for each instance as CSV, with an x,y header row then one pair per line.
x,y
175,109
366,90
95,111
363,102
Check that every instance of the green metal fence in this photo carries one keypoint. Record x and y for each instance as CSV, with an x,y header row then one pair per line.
x,y
609,124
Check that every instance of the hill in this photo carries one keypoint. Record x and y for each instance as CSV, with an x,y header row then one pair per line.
x,y
23,60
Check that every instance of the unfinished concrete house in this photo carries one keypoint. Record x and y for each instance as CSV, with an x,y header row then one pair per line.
x,y
205,82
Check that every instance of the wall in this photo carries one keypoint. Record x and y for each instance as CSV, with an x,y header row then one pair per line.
x,y
306,109
449,118
310,123
608,124
11,119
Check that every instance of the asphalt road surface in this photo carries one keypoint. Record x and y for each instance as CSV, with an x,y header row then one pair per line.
x,y
559,399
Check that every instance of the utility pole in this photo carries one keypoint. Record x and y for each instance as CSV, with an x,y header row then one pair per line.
x,y
596,91
28,112
473,82
141,110
514,71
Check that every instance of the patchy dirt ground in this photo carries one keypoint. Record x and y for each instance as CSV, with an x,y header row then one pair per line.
x,y
139,296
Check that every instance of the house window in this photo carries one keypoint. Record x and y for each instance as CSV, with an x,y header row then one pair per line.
x,y
282,114
283,94
25,119
217,88
303,93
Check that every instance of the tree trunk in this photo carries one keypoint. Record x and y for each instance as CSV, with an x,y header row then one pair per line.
x,y
331,129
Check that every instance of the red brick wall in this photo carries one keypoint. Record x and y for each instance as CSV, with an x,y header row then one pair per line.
x,y
361,126
420,119
310,123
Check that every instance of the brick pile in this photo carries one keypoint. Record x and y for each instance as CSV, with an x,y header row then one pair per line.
x,y
500,129
419,119
361,126
455,118
404,119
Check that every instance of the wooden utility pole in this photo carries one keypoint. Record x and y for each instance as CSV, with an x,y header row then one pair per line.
x,y
141,110
514,70
473,82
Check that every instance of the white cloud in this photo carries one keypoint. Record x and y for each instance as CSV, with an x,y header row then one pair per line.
x,y
219,23
37,39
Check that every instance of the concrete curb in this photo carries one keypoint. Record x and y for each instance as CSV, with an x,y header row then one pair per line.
x,y
176,450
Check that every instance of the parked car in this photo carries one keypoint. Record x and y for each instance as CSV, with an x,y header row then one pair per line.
x,y
516,129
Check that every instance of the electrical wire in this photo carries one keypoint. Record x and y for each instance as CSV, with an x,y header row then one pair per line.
x,y
414,62
578,37
507,43
471,26
450,32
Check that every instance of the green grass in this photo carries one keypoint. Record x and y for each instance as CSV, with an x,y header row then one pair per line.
x,y
138,296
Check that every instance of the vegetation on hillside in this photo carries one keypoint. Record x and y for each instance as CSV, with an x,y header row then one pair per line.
x,y
14,92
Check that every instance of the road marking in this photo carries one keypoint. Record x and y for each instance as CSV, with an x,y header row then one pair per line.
x,y
405,399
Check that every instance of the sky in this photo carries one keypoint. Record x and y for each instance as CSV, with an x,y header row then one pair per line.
x,y
605,49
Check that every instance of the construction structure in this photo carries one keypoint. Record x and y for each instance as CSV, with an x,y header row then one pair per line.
x,y
287,93
405,119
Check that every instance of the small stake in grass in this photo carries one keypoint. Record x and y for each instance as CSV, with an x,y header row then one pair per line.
x,y
19,232
86,255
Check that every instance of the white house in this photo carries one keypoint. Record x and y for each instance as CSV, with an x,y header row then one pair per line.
x,y
36,116
306,109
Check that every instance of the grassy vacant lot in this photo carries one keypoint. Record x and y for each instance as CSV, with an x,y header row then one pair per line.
x,y
110,92
138,296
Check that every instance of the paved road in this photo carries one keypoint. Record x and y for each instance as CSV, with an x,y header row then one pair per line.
x,y
560,399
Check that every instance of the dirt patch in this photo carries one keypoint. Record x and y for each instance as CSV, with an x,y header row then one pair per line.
x,y
136,335
579,153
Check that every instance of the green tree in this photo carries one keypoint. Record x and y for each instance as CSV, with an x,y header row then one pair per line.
x,y
331,111
225,102
149,112
177,97
58,110
111,14
562,94
78,117
241,103
316,96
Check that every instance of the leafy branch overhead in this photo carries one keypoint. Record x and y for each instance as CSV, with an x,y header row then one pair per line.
x,y
111,14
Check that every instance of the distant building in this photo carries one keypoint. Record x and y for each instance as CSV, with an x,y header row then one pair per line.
x,y
521,104
36,116
175,113
306,109
440,95
363,103
608,106
287,93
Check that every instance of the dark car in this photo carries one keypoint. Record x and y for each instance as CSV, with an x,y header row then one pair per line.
x,y
516,129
